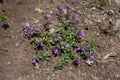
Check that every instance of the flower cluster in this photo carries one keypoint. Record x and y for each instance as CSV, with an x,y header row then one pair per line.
x,y
30,30
65,41
58,38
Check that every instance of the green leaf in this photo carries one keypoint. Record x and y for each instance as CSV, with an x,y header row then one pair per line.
x,y
87,26
2,17
47,55
51,1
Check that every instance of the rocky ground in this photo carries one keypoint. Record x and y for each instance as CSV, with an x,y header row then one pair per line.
x,y
16,52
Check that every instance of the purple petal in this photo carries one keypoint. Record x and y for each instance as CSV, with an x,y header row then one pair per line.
x,y
70,7
59,37
67,45
56,39
81,34
83,48
25,30
41,44
78,49
32,33
37,29
48,16
75,17
62,47
34,61
77,62
90,52
56,51
92,57
60,8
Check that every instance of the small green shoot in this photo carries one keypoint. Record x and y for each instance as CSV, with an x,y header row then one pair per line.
x,y
102,2
92,3
92,43
47,55
2,17
87,26
52,1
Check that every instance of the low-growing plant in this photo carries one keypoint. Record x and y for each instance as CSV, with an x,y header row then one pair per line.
x,y
51,1
87,26
2,17
94,3
64,42
102,2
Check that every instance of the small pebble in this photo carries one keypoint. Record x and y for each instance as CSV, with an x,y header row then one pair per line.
x,y
51,12
89,62
17,44
117,2
36,66
20,78
13,37
116,27
9,62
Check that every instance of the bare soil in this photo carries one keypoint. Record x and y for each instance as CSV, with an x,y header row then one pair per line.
x,y
16,52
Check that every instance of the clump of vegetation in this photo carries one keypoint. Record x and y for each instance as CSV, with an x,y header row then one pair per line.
x,y
102,2
2,17
87,26
94,3
51,1
64,41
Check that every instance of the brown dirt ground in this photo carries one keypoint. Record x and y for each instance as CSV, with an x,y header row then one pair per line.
x,y
16,60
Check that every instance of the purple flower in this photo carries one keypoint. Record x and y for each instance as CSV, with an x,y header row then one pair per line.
x,y
41,44
34,61
77,62
90,52
56,52
78,49
62,47
48,16
37,29
81,34
92,56
67,45
70,7
56,39
31,33
83,48
75,17
60,9
25,30
59,37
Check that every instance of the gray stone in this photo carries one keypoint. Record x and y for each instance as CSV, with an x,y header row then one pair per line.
x,y
17,44
119,36
117,2
117,25
89,62
111,54
9,62
20,78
